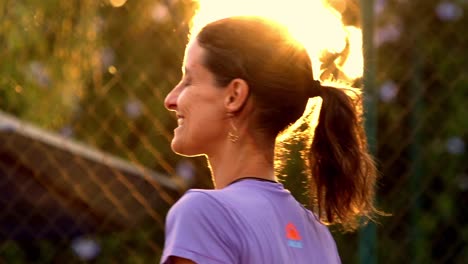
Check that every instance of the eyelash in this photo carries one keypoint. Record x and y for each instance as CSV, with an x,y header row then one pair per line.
x,y
187,83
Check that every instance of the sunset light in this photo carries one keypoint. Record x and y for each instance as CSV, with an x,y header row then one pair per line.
x,y
314,23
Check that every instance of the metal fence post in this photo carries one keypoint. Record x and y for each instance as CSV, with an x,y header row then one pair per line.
x,y
416,166
368,235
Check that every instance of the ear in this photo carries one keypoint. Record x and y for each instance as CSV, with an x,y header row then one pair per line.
x,y
236,95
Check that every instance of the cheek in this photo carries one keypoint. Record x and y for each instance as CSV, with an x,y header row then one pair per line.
x,y
181,99
203,129
201,124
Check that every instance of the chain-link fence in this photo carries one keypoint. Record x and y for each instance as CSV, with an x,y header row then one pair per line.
x,y
422,72
86,170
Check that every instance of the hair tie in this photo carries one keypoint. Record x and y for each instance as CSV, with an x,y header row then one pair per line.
x,y
315,89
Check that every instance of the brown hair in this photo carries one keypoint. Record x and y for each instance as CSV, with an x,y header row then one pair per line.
x,y
279,73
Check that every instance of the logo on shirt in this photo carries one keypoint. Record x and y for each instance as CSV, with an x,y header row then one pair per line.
x,y
293,236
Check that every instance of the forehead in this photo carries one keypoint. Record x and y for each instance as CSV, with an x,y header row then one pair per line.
x,y
193,57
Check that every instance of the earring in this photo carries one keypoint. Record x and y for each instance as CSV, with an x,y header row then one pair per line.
x,y
233,135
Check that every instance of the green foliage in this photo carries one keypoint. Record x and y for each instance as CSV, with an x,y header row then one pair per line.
x,y
102,72
421,131
46,57
293,174
99,74
11,253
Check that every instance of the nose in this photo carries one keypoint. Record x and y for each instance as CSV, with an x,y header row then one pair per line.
x,y
170,102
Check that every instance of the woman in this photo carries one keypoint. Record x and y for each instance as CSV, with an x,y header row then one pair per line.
x,y
245,81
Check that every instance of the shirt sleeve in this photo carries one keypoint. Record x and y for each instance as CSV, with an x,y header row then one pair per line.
x,y
199,228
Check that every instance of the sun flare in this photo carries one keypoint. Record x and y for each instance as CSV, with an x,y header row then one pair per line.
x,y
313,23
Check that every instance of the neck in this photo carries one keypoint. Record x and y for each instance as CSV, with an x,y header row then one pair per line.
x,y
241,159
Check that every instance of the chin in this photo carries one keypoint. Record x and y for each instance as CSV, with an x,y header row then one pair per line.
x,y
184,149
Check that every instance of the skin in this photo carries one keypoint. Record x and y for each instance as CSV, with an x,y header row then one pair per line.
x,y
206,114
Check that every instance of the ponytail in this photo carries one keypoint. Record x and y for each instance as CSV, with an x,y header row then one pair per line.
x,y
343,172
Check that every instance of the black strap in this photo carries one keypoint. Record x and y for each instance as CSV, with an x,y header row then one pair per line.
x,y
252,178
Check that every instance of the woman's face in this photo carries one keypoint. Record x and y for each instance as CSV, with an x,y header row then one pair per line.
x,y
199,107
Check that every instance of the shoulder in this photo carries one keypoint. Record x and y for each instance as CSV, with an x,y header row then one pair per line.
x,y
196,199
201,229
197,203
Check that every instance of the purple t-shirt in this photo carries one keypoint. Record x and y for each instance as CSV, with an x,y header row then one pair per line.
x,y
248,222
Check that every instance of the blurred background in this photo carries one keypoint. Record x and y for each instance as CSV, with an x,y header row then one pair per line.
x,y
86,170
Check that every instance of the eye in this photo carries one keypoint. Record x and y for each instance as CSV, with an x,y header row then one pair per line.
x,y
186,82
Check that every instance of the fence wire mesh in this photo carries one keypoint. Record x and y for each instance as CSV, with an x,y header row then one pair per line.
x,y
423,79
86,170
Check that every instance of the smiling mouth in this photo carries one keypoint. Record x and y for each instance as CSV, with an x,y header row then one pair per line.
x,y
180,120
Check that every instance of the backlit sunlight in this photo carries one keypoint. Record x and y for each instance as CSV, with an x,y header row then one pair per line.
x,y
312,22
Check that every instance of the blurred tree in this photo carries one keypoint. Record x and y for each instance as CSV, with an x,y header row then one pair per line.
x,y
46,58
99,73
137,64
423,80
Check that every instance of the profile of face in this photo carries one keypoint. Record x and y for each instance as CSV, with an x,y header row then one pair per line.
x,y
198,104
